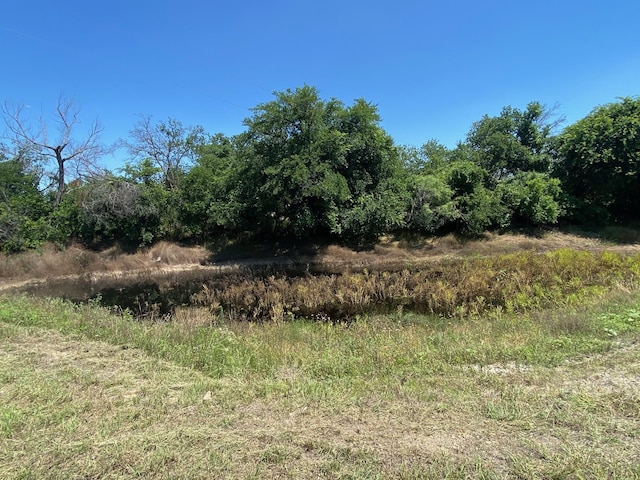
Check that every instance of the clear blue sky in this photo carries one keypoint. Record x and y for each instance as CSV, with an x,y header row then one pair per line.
x,y
432,67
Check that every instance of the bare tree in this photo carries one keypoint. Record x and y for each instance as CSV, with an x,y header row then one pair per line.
x,y
61,148
111,198
169,145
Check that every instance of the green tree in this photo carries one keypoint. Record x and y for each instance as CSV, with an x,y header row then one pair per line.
x,y
430,158
515,141
431,205
309,166
23,208
599,161
160,204
109,209
500,175
477,207
373,171
531,198
208,193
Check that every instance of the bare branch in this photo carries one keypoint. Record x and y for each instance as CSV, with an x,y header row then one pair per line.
x,y
169,145
66,150
551,118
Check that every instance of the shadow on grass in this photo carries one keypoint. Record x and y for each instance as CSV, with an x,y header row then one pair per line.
x,y
614,233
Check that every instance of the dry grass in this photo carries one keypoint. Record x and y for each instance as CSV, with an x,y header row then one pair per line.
x,y
435,275
390,251
514,282
52,262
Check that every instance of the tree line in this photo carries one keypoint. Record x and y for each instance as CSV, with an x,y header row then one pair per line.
x,y
310,168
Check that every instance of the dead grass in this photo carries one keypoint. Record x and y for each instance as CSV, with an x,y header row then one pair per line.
x,y
458,287
414,250
51,262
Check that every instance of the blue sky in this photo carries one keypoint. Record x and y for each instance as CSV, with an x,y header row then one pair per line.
x,y
432,67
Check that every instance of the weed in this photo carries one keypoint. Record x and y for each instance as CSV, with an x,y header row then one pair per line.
x,y
456,288
623,322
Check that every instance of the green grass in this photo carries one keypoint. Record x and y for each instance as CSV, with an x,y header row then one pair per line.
x,y
371,347
546,394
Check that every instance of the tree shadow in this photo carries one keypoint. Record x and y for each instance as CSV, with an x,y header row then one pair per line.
x,y
619,234
262,248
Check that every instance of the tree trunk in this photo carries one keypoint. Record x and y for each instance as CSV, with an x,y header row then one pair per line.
x,y
61,185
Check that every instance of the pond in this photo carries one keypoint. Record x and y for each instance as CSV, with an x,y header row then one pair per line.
x,y
157,293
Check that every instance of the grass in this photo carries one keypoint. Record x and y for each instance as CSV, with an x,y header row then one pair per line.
x,y
551,393
537,375
50,260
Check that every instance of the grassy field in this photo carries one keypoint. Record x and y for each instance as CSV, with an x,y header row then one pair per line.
x,y
545,393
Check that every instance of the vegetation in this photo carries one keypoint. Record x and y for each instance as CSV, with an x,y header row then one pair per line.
x,y
513,365
23,210
600,162
311,168
544,394
455,288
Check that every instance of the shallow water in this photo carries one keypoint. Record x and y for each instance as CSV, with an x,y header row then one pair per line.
x,y
151,293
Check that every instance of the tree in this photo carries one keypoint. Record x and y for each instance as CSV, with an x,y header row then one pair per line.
x,y
431,206
170,146
63,149
515,141
599,160
500,175
531,198
309,166
430,158
23,209
289,155
112,208
477,207
208,196
164,202
374,175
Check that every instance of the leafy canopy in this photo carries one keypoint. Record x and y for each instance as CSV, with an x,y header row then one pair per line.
x,y
310,166
599,161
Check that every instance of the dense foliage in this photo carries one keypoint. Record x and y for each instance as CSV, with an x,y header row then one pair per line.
x,y
309,166
305,167
23,209
599,161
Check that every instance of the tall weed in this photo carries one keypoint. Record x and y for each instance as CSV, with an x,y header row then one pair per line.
x,y
515,283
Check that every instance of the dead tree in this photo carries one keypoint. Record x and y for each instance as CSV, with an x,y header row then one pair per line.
x,y
62,149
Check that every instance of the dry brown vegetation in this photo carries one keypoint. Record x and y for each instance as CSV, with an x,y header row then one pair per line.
x,y
51,261
513,282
